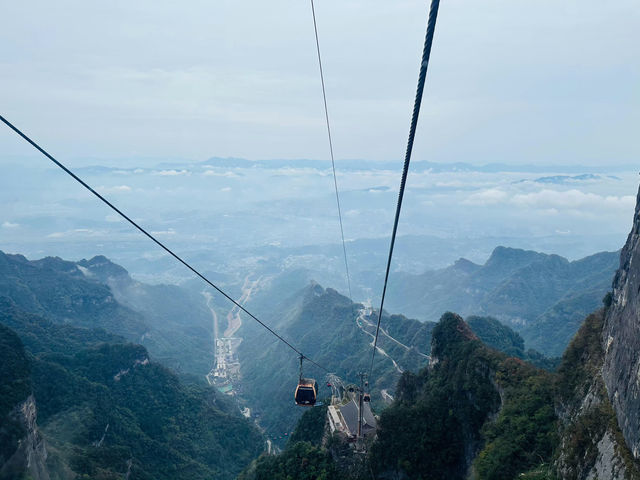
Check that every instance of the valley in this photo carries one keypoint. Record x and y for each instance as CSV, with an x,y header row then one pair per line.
x,y
225,372
188,328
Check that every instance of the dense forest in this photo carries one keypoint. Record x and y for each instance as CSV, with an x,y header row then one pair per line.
x,y
107,411
479,413
323,323
440,420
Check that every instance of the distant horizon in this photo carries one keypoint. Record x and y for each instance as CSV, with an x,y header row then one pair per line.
x,y
543,166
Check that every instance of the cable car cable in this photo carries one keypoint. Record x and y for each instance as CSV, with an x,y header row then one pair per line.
x,y
333,163
426,53
154,239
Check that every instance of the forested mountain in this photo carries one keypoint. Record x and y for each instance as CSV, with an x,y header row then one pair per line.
x,y
474,412
335,333
58,290
21,446
477,403
105,410
173,323
104,407
338,335
544,297
497,335
478,413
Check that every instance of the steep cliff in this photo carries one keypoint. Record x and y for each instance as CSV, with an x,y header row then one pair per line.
x,y
591,445
22,448
474,412
107,411
621,340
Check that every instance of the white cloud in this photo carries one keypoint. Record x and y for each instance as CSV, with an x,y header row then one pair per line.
x,y
78,232
213,173
551,202
225,189
490,196
171,173
114,189
8,224
452,183
169,231
571,200
295,172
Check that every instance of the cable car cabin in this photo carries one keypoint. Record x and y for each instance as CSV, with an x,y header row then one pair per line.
x,y
366,397
306,392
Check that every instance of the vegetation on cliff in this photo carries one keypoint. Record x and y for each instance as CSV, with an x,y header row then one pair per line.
x,y
474,403
588,421
107,411
15,387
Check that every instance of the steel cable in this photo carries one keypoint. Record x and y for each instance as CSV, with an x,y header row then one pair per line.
x,y
155,240
426,53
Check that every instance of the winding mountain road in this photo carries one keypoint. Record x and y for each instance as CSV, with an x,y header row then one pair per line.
x,y
360,320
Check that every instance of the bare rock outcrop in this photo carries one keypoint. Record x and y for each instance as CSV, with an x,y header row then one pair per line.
x,y
31,455
621,340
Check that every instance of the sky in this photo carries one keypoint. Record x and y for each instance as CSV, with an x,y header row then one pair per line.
x,y
510,81
548,89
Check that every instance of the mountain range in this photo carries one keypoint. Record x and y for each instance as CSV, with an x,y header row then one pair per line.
x,y
474,412
105,373
79,400
172,322
544,297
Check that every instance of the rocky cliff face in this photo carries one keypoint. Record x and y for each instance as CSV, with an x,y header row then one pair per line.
x,y
591,445
31,455
599,382
621,340
22,449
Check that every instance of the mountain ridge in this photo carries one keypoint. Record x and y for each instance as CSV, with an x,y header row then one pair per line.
x,y
527,290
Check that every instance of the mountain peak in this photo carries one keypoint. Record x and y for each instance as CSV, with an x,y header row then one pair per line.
x,y
466,266
55,263
509,254
450,332
507,259
314,289
102,267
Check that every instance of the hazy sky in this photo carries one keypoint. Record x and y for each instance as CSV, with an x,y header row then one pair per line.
x,y
510,80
